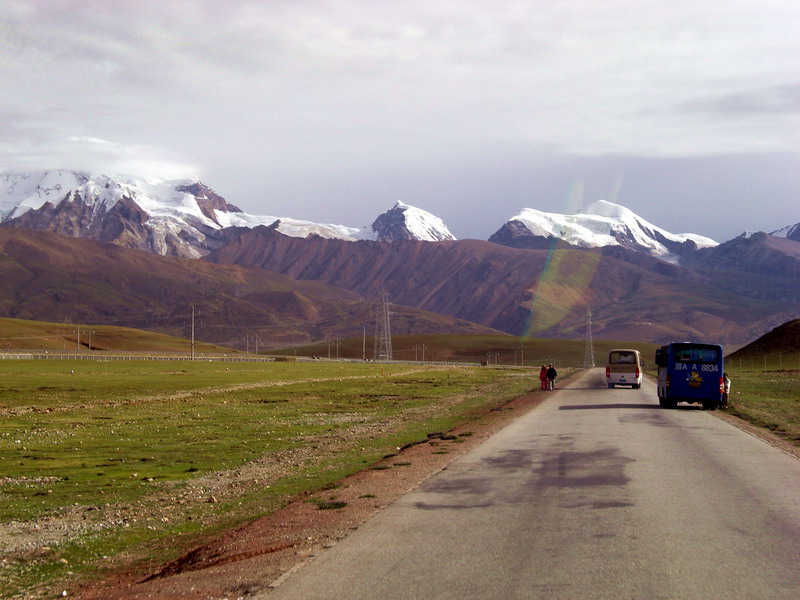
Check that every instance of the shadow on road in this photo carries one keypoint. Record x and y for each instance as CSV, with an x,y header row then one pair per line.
x,y
603,406
623,405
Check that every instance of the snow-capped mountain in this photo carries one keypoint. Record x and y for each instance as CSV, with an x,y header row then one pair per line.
x,y
600,224
792,232
404,222
182,218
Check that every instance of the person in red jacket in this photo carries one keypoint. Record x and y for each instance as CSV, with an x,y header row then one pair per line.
x,y
543,377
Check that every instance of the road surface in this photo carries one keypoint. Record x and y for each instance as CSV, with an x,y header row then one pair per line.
x,y
596,493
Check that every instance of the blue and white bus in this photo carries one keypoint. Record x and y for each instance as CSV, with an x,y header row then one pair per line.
x,y
689,372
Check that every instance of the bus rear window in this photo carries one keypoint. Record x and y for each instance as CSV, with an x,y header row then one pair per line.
x,y
696,354
622,358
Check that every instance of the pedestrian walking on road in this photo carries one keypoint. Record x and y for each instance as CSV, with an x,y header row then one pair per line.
x,y
551,377
543,376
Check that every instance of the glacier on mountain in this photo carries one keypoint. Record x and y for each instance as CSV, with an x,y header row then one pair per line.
x,y
604,223
22,192
179,216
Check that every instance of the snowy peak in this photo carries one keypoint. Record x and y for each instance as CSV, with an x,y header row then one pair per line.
x,y
21,192
173,217
165,217
792,232
404,222
600,224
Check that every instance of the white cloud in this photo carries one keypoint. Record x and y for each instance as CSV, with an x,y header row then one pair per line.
x,y
275,95
95,155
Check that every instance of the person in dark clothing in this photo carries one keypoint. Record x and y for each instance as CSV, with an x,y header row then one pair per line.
x,y
551,377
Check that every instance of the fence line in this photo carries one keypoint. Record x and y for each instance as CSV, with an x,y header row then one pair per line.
x,y
42,355
105,357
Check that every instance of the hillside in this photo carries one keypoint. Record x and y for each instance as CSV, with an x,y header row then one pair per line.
x,y
537,292
784,339
21,334
49,277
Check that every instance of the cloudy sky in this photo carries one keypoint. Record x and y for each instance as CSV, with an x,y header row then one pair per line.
x,y
685,111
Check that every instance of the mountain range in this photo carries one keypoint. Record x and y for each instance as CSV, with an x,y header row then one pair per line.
x,y
187,218
537,275
51,277
173,218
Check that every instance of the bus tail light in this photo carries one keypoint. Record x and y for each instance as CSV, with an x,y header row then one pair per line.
x,y
667,381
721,385
637,373
608,371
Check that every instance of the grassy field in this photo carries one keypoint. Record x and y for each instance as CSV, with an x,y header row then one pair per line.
x,y
768,399
501,349
67,337
131,458
100,446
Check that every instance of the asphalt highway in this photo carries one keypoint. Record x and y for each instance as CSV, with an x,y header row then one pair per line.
x,y
596,493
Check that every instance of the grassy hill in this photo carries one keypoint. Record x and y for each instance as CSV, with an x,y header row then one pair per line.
x,y
777,349
21,334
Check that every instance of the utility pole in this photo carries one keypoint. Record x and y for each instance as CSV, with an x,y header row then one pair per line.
x,y
364,345
192,332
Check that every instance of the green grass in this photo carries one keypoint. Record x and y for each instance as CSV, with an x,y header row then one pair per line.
x,y
768,399
84,437
68,337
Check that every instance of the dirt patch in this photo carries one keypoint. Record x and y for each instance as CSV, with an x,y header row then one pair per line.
x,y
250,559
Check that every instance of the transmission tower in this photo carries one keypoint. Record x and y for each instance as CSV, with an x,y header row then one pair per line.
x,y
588,358
383,331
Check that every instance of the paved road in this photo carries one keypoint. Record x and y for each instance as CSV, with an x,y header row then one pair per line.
x,y
596,493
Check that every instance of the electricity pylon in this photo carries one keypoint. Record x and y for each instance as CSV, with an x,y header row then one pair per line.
x,y
383,330
588,357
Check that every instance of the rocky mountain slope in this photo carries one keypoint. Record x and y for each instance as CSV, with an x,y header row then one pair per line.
x,y
530,291
51,277
404,222
537,276
792,232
